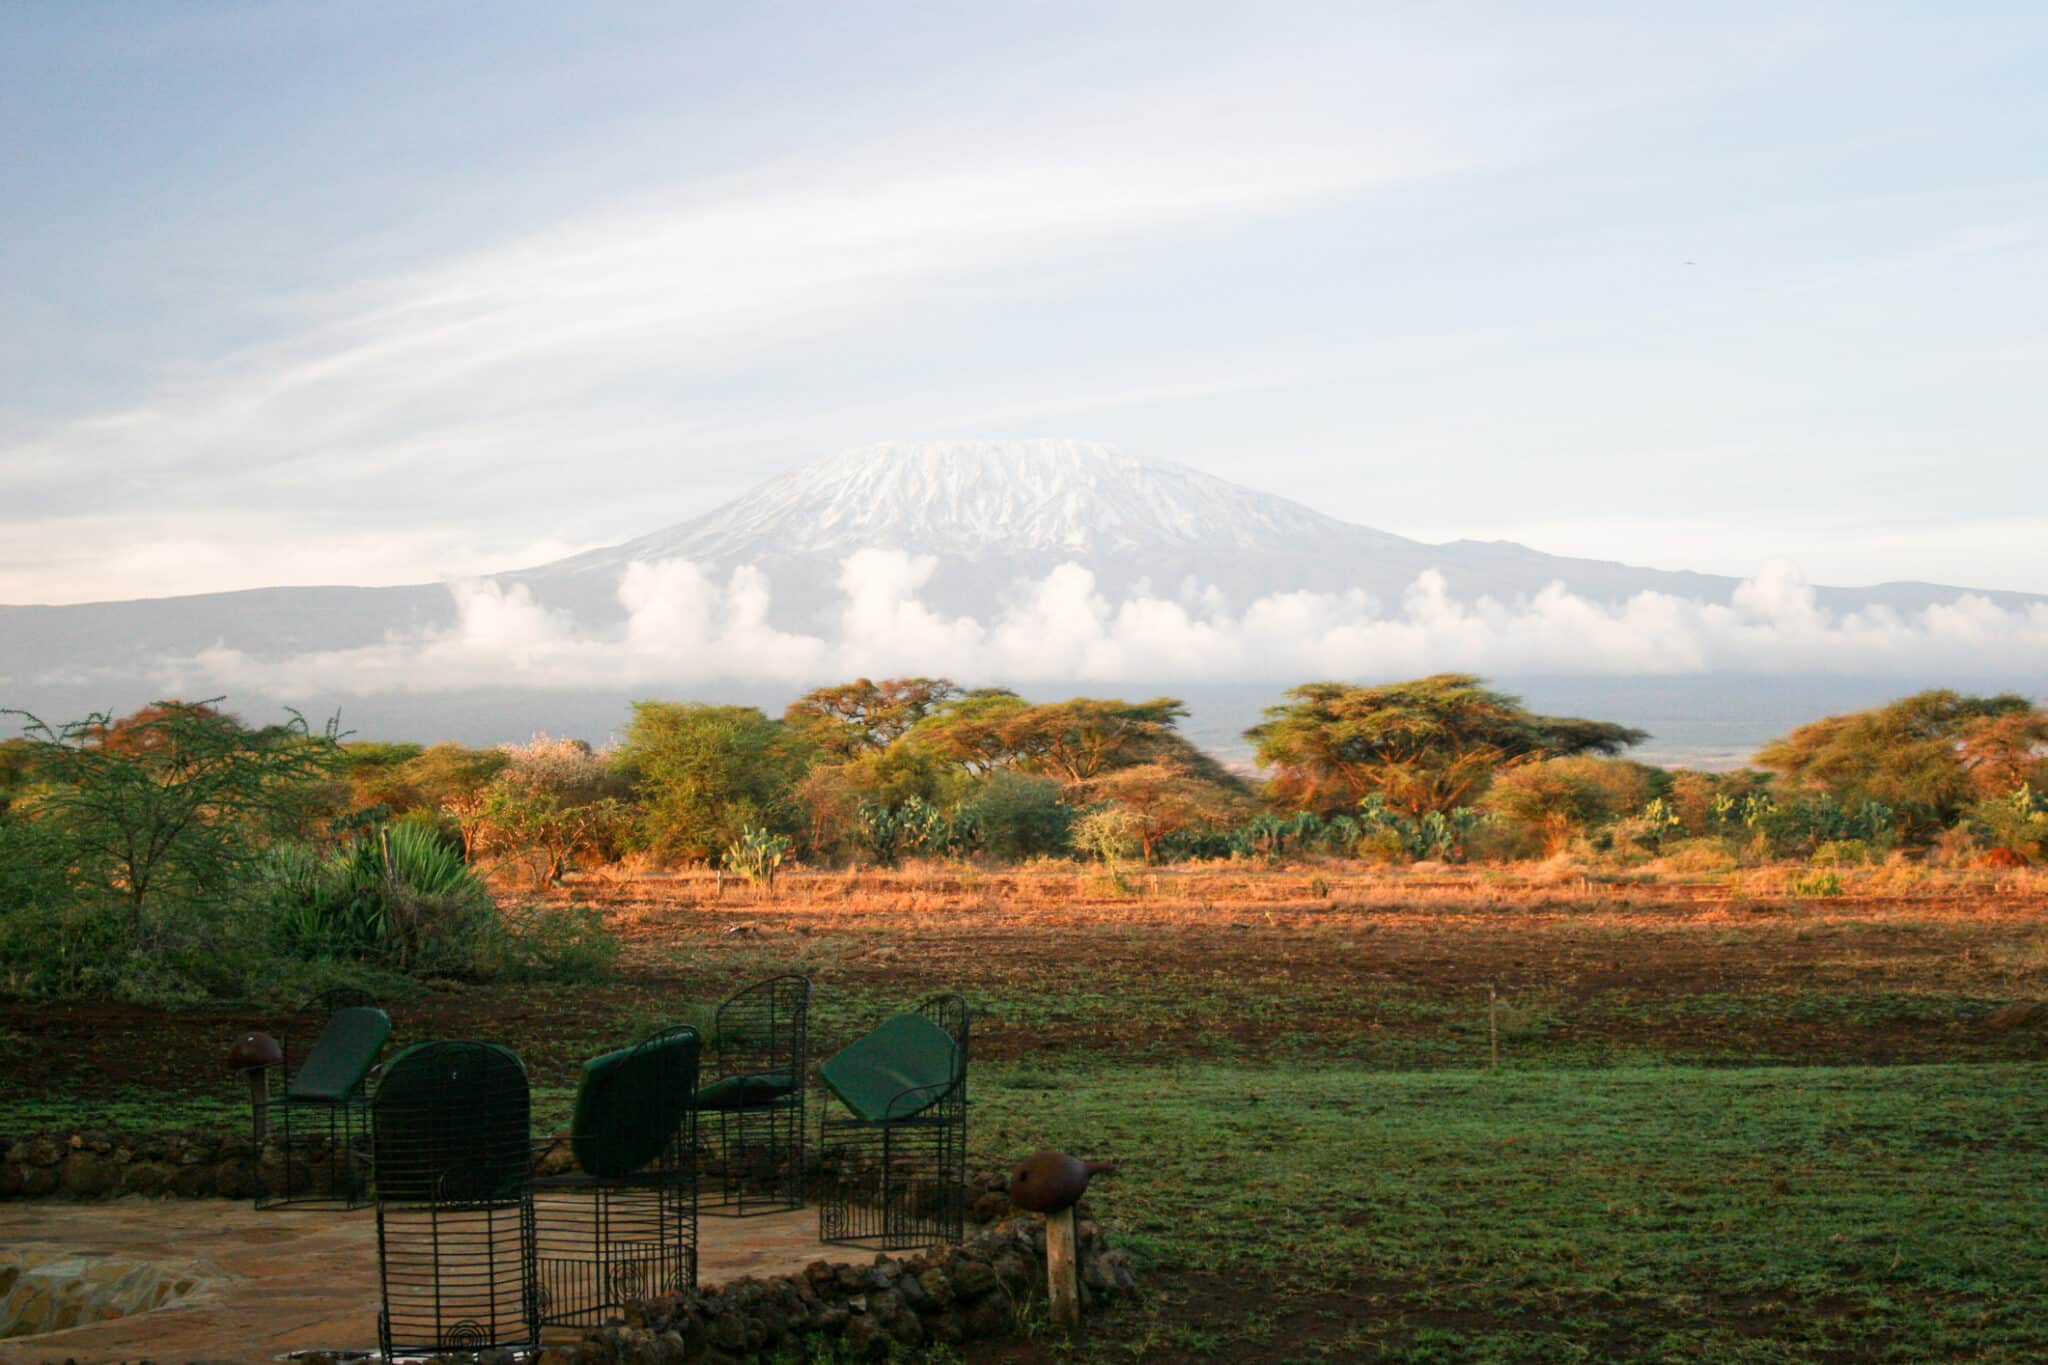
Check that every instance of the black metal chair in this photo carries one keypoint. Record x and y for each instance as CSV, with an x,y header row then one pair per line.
x,y
317,1113
752,1110
893,1169
455,1233
622,1225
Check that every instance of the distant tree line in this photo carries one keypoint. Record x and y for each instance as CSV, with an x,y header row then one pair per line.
x,y
181,835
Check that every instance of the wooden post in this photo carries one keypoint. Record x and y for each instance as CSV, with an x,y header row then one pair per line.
x,y
259,1103
1493,1024
1065,1289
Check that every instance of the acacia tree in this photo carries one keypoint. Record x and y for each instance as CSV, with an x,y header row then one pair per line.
x,y
1175,788
1072,741
173,804
457,782
969,729
1924,756
705,774
554,799
860,717
1428,745
1168,796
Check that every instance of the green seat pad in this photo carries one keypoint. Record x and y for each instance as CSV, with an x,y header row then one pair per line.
x,y
341,1056
630,1102
741,1092
896,1072
450,1124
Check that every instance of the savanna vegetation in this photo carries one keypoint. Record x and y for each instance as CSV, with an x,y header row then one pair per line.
x,y
179,854
1453,1034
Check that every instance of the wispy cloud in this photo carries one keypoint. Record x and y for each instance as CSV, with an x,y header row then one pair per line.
x,y
440,365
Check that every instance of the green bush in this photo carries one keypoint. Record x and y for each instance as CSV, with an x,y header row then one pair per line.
x,y
1108,833
2018,822
1817,886
1019,816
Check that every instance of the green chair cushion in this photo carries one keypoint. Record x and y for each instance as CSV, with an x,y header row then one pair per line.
x,y
630,1102
896,1072
342,1056
450,1125
742,1092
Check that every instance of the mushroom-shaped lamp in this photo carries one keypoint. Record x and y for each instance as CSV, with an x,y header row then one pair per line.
x,y
1051,1183
251,1056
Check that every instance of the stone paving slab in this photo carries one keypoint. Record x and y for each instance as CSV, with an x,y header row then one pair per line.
x,y
264,1284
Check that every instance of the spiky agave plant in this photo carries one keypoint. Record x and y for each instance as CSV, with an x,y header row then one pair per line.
x,y
400,895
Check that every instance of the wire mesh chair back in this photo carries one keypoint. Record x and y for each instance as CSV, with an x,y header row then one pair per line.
x,y
895,1183
623,1225
765,1029
321,1144
950,1013
455,1238
754,1108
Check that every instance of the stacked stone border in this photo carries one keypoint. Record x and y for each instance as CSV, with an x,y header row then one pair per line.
x,y
96,1164
100,1165
991,1285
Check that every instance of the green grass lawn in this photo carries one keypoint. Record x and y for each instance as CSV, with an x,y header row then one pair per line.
x,y
1656,1213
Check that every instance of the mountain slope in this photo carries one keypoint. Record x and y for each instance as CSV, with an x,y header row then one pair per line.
x,y
997,512
993,517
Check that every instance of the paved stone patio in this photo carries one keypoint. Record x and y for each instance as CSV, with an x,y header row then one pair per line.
x,y
264,1284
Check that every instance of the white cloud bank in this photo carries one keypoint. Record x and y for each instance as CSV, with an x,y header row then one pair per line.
x,y
683,626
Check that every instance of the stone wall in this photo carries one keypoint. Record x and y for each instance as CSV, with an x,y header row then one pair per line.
x,y
95,1165
985,1287
103,1165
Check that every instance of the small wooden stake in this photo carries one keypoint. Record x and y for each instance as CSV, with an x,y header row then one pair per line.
x,y
1059,1268
1493,1024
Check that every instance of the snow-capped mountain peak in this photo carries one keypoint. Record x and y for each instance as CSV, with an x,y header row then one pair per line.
x,y
975,499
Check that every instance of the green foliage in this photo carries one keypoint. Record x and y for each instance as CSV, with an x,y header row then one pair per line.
x,y
1817,885
756,854
1073,741
554,801
1559,800
2017,822
16,759
1109,833
704,774
1432,744
454,782
1923,757
55,937
544,830
1018,815
863,717
167,811
1438,836
400,898
912,827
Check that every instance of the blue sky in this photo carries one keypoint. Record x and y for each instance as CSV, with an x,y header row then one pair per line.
x,y
385,293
